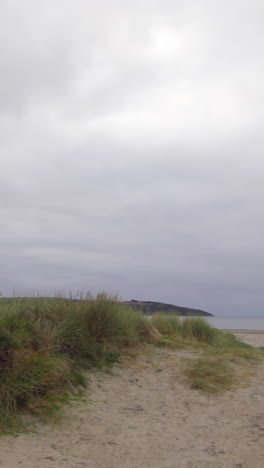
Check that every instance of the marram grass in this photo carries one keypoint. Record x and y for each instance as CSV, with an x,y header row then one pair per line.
x,y
215,371
47,344
210,375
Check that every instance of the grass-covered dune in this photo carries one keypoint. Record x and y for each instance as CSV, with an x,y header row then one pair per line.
x,y
47,346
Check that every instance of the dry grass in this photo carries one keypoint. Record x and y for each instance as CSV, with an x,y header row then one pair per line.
x,y
45,346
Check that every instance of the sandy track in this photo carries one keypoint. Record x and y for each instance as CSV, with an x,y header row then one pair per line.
x,y
144,414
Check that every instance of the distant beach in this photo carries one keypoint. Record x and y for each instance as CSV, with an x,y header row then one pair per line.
x,y
252,337
237,323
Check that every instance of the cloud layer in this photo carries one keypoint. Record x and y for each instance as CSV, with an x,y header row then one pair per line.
x,y
131,140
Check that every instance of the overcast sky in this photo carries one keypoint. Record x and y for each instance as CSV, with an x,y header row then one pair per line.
x,y
131,149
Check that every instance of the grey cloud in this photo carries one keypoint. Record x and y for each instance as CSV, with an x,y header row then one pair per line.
x,y
131,151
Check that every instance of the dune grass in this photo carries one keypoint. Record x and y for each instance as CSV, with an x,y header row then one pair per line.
x,y
197,332
223,354
210,375
47,344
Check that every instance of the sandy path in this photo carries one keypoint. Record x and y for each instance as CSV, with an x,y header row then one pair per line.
x,y
145,415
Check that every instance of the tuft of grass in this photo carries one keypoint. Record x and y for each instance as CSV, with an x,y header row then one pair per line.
x,y
195,329
198,329
210,375
169,325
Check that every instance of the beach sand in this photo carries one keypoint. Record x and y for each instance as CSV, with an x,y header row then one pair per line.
x,y
254,338
145,415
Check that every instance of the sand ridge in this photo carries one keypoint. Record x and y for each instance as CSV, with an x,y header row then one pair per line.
x,y
144,414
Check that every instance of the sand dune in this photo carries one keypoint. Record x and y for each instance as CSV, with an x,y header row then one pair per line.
x,y
144,414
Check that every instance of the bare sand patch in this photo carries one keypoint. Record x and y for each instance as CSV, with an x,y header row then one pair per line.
x,y
254,338
145,415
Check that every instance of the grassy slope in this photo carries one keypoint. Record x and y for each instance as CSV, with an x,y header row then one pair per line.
x,y
223,355
45,346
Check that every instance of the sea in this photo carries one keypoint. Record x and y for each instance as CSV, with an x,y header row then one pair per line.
x,y
227,323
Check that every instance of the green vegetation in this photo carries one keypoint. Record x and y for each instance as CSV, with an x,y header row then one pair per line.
x,y
167,324
47,344
210,375
223,354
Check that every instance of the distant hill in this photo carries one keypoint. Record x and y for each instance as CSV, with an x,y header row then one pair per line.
x,y
147,307
150,307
